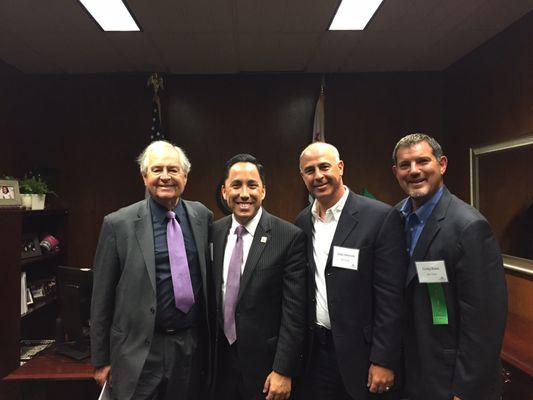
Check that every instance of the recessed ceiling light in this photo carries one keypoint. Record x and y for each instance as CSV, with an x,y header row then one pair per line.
x,y
111,15
353,15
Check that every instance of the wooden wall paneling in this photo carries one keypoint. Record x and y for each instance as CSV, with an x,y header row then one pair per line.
x,y
86,131
367,114
489,97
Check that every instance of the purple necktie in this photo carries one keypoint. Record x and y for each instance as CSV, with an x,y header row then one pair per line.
x,y
233,283
179,267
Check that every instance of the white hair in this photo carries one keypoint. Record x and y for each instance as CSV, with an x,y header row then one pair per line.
x,y
162,145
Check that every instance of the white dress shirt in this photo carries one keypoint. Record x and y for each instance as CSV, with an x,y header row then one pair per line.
x,y
247,239
323,232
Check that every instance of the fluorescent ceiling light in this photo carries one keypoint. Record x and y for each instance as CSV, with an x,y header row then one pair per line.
x,y
353,15
111,15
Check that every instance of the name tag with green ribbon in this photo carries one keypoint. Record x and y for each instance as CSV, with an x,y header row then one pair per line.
x,y
438,304
434,274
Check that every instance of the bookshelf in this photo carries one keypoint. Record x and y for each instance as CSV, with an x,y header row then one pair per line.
x,y
37,322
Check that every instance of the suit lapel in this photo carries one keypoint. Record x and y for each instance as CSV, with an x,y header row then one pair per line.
x,y
307,227
258,245
347,223
220,236
198,232
145,236
431,229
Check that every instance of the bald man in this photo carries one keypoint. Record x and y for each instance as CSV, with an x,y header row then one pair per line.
x,y
357,265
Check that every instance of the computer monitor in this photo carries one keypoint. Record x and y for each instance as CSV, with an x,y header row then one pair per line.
x,y
74,287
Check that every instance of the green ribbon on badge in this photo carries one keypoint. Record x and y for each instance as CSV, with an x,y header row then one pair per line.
x,y
438,304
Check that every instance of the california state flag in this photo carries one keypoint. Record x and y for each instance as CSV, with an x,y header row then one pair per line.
x,y
318,123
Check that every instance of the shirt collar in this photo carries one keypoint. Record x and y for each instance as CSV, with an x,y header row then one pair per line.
x,y
334,212
424,211
251,226
159,213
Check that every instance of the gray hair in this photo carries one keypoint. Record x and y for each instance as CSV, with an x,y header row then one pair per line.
x,y
160,145
414,138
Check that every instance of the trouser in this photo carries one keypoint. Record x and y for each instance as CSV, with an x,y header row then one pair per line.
x,y
173,368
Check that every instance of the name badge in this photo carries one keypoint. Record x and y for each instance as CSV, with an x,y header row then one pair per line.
x,y
431,271
344,257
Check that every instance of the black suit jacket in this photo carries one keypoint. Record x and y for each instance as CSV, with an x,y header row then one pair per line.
x,y
365,305
461,358
270,312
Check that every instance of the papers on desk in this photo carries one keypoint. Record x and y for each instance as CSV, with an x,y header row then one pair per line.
x,y
30,348
104,394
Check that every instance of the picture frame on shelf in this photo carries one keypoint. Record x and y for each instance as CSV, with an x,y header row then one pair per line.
x,y
9,193
30,246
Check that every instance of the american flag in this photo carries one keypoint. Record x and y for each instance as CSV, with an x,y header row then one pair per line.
x,y
156,132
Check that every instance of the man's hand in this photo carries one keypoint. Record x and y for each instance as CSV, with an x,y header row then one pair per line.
x,y
102,374
380,379
277,386
456,398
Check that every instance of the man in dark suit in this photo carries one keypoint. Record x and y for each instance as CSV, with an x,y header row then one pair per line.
x,y
149,306
456,297
259,265
357,263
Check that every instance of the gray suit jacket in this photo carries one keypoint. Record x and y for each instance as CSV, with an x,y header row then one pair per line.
x,y
124,291
460,358
270,313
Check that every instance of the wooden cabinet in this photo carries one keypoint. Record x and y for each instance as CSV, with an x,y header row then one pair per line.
x,y
517,351
18,227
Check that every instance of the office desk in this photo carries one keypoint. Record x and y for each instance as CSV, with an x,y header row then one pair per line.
x,y
52,376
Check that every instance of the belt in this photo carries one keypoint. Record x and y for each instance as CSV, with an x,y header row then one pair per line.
x,y
171,331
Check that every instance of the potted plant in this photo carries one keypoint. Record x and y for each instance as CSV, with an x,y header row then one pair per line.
x,y
37,188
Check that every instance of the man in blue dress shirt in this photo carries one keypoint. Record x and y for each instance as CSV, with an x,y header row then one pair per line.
x,y
455,292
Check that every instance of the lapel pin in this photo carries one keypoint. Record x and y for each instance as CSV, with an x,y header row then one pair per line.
x,y
263,239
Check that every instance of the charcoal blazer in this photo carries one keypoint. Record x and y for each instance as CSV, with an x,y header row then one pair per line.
x,y
461,358
124,291
365,305
270,310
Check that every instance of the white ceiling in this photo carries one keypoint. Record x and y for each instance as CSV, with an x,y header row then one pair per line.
x,y
232,36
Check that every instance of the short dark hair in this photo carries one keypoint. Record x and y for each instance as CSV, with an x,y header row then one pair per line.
x,y
414,138
247,158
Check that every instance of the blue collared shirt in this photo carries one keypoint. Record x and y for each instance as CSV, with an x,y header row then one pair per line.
x,y
167,315
415,221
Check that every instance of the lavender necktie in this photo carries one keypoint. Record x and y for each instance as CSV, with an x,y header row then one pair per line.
x,y
179,267
233,283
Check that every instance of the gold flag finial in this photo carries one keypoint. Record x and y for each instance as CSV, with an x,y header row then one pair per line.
x,y
156,81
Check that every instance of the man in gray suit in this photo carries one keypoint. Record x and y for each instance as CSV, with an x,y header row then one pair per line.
x,y
455,292
259,265
149,319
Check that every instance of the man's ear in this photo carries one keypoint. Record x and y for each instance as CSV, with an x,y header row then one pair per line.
x,y
443,162
223,191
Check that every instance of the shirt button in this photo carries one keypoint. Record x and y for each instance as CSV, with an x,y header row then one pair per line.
x,y
152,310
